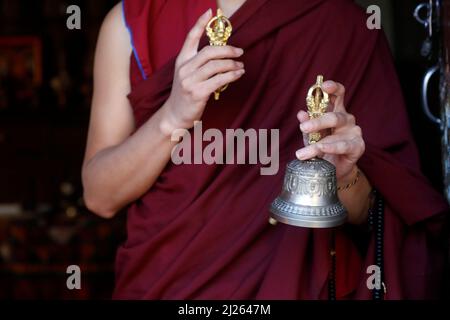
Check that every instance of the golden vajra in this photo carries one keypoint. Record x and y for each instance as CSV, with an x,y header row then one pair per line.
x,y
219,30
317,102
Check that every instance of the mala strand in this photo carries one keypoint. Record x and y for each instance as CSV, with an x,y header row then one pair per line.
x,y
376,220
332,274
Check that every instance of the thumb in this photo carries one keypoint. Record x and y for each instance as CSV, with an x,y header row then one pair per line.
x,y
337,93
192,41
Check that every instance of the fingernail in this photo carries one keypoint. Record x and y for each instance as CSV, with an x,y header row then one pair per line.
x,y
240,65
242,71
239,51
300,154
209,11
303,116
305,126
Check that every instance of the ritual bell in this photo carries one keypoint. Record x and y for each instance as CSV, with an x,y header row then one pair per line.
x,y
309,194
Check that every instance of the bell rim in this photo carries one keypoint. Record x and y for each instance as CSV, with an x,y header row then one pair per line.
x,y
282,206
308,216
312,224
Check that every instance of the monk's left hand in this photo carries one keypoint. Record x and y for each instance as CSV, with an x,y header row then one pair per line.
x,y
344,145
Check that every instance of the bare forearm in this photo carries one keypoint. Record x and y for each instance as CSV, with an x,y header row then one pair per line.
x,y
118,168
119,175
356,200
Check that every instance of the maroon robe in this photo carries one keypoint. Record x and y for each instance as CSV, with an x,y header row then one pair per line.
x,y
202,232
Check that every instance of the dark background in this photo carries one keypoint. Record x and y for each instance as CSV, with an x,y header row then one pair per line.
x,y
42,143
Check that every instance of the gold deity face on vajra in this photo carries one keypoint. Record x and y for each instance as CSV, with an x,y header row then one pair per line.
x,y
219,30
317,102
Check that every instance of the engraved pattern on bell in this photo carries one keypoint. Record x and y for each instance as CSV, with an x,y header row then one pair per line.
x,y
318,178
309,196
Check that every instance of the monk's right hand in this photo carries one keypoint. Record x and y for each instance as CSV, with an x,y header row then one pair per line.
x,y
197,75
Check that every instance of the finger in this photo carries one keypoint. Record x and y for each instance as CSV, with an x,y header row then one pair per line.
x,y
337,90
214,67
309,152
342,147
305,139
214,53
192,41
317,150
302,116
327,121
222,79
334,138
327,139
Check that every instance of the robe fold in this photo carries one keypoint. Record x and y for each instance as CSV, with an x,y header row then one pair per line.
x,y
202,231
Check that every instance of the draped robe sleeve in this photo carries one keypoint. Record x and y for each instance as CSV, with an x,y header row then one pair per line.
x,y
201,231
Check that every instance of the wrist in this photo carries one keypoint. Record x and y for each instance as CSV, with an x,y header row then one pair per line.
x,y
349,180
167,125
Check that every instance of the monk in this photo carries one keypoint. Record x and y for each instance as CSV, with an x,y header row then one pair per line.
x,y
201,231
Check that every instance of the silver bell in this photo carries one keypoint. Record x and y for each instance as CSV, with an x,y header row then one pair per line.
x,y
309,196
